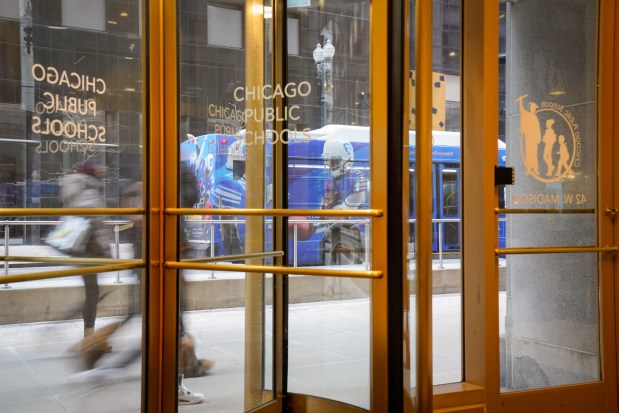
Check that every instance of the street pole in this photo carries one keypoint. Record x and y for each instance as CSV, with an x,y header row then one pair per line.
x,y
318,59
323,57
327,88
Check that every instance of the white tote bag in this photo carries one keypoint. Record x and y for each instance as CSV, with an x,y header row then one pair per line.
x,y
71,235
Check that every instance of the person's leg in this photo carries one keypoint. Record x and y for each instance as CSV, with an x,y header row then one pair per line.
x,y
134,296
185,396
89,310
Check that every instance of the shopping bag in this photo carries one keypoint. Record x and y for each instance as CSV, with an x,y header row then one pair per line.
x,y
71,235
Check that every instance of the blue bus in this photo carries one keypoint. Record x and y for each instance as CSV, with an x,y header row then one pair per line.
x,y
328,168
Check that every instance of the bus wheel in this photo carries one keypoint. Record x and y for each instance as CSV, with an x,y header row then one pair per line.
x,y
343,247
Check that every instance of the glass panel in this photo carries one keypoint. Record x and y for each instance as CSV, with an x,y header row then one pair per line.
x,y
214,351
550,330
71,136
226,136
447,283
329,324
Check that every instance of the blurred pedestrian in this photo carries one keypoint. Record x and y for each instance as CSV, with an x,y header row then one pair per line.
x,y
95,345
189,364
84,189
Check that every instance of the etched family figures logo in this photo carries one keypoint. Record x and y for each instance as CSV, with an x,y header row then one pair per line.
x,y
550,144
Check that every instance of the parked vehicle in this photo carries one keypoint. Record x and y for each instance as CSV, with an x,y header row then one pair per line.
x,y
328,168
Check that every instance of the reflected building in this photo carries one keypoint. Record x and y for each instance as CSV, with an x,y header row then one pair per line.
x,y
70,89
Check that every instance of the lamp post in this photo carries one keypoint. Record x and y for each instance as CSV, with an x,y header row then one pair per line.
x,y
323,57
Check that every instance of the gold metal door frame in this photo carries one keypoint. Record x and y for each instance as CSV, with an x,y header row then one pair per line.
x,y
160,371
423,209
480,266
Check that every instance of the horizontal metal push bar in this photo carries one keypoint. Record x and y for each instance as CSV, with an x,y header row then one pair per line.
x,y
44,275
499,211
267,269
29,212
552,250
70,260
277,212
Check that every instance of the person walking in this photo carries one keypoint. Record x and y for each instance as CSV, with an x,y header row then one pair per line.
x,y
189,364
132,198
84,189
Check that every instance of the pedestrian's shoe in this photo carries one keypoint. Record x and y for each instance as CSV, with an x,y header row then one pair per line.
x,y
186,396
97,340
95,344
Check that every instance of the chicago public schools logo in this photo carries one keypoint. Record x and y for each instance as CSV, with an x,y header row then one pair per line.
x,y
550,144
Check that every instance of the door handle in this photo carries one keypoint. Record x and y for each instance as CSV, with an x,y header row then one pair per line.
x,y
611,212
554,250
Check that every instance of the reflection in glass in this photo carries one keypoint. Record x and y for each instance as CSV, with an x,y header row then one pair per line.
x,y
330,173
70,136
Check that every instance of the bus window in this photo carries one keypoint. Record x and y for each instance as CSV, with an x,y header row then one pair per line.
x,y
450,192
450,206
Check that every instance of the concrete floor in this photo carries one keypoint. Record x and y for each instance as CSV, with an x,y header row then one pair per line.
x,y
329,357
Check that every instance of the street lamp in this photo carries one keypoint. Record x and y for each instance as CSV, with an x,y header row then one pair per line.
x,y
323,57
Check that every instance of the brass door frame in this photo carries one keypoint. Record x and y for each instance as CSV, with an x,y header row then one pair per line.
x,y
480,223
423,209
610,100
161,293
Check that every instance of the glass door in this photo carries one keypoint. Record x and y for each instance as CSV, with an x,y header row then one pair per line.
x,y
558,324
271,215
71,206
238,153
